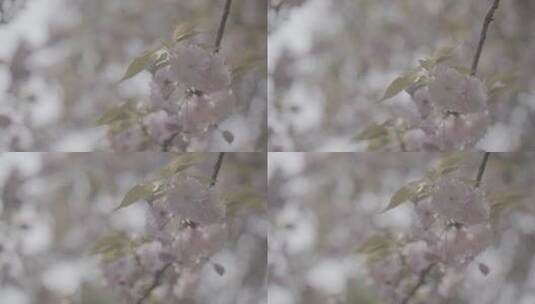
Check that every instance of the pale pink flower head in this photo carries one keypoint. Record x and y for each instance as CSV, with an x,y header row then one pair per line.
x,y
187,284
190,199
417,256
459,246
422,99
414,139
472,127
166,80
452,91
159,101
455,200
194,245
160,126
387,274
157,218
152,256
120,273
454,132
199,113
200,69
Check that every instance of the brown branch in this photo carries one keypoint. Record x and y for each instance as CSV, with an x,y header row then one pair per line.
x,y
217,168
425,272
155,283
222,25
481,169
421,280
483,36
167,143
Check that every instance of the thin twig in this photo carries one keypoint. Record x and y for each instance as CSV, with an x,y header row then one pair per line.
x,y
222,25
167,143
217,168
421,280
481,169
488,19
155,283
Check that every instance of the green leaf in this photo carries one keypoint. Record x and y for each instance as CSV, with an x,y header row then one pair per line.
x,y
372,131
447,164
112,246
443,53
246,198
450,162
504,200
377,247
139,192
123,112
374,243
378,143
180,163
248,60
184,31
427,63
401,83
414,191
461,69
138,64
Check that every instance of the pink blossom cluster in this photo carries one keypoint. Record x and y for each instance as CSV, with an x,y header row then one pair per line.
x,y
189,97
452,112
453,229
185,227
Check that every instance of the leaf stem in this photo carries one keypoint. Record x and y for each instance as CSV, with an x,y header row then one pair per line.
x,y
483,36
222,25
481,169
217,168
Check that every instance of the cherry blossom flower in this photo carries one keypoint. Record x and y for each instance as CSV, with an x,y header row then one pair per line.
x,y
422,99
455,200
452,91
160,126
121,271
199,69
198,113
152,256
417,255
190,199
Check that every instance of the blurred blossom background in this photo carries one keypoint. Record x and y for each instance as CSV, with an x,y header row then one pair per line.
x,y
330,62
324,206
55,206
60,63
